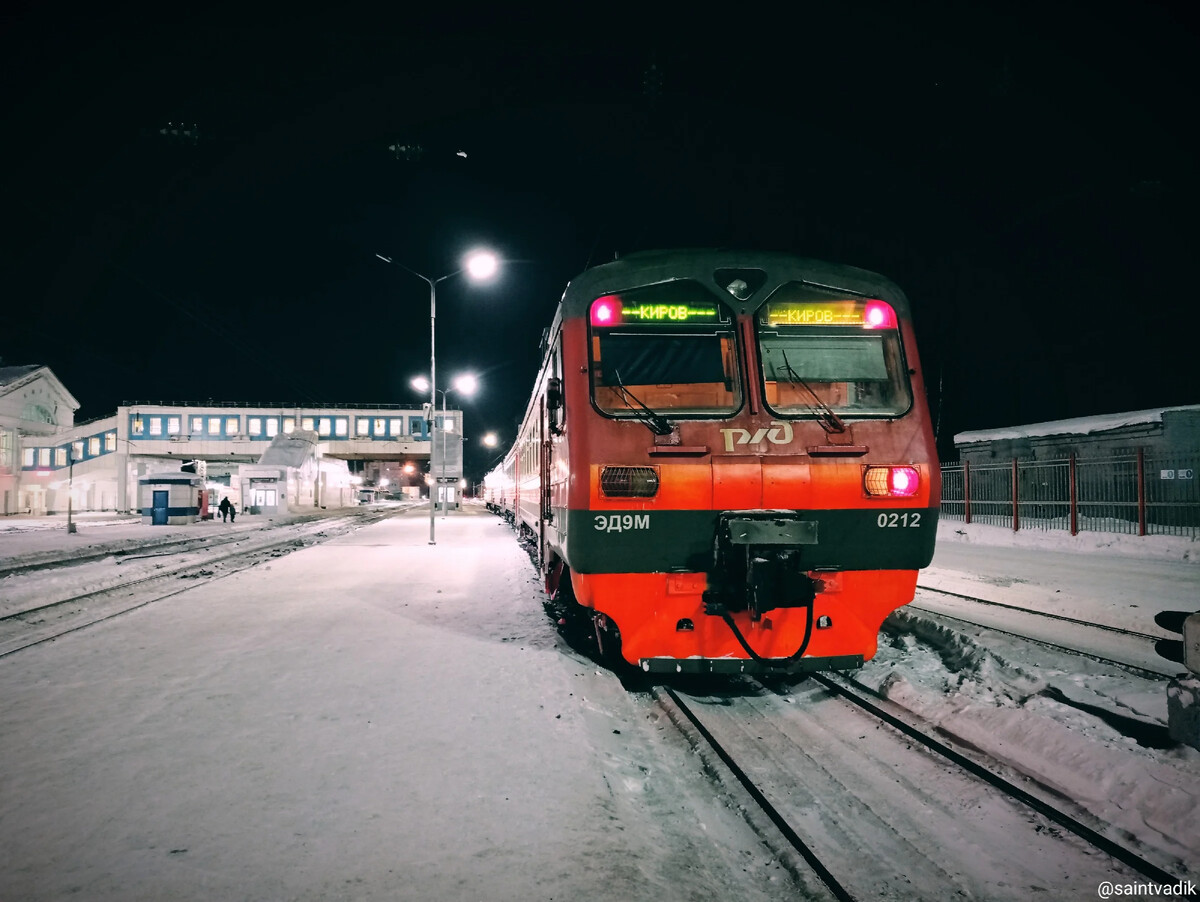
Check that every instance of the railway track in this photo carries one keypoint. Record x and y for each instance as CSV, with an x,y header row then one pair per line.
x,y
1113,638
25,625
808,767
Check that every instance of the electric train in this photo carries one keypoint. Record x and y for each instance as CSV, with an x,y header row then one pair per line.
x,y
727,462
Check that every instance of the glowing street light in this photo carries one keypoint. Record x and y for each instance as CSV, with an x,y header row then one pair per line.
x,y
490,440
479,265
466,384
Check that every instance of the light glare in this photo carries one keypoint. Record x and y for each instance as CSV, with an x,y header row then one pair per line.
x,y
482,265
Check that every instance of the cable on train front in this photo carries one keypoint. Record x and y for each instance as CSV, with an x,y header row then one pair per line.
x,y
747,479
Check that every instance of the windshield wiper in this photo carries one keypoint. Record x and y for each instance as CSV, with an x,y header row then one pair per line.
x,y
829,420
653,421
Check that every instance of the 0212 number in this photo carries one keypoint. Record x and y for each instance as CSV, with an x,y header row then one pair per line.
x,y
886,521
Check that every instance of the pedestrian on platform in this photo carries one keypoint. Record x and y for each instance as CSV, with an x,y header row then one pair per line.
x,y
225,508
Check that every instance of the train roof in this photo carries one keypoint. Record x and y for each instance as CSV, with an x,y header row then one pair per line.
x,y
647,267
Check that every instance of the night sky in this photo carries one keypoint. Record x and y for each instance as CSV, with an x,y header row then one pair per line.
x,y
1027,173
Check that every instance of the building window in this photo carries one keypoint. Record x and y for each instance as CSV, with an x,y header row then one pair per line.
x,y
362,425
43,457
289,425
396,427
94,446
60,457
110,440
214,425
27,457
448,423
323,426
37,413
341,426
137,426
232,425
172,425
306,423
77,450
156,425
6,450
197,425
272,427
254,425
416,426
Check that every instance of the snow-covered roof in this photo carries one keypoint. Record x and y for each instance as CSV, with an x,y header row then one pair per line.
x,y
291,449
12,377
13,373
1074,426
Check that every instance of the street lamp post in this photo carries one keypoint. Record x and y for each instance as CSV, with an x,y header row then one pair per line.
x,y
479,265
465,384
71,492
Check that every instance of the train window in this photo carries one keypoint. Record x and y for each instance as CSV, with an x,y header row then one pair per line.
x,y
668,349
173,425
272,427
824,350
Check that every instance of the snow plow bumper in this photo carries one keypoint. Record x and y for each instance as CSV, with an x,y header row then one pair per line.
x,y
748,665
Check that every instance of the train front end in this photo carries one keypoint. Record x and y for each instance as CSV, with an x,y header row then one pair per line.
x,y
753,477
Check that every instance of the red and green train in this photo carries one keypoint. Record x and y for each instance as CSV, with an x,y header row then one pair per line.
x,y
727,462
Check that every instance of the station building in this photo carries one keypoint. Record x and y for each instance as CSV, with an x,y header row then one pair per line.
x,y
265,457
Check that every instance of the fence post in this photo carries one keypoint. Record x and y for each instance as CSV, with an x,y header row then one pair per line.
x,y
1015,498
1141,490
1074,496
966,491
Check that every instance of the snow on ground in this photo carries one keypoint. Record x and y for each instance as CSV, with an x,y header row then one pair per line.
x,y
1034,708
373,718
377,718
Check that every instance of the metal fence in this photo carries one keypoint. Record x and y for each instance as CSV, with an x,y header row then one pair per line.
x,y
1139,494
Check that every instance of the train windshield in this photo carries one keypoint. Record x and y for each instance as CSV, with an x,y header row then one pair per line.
x,y
664,350
827,352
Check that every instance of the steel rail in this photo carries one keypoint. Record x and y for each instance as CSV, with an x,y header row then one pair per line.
x,y
1012,607
1120,853
251,553
767,808
1134,669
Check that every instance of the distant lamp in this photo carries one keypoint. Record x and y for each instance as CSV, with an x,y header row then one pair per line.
x,y
490,440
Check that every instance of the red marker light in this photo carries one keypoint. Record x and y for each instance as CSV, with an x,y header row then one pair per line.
x,y
879,315
606,311
903,481
892,482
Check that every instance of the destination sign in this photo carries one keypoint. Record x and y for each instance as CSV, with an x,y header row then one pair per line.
x,y
678,313
612,311
865,314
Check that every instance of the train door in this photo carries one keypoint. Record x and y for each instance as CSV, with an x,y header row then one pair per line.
x,y
158,508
